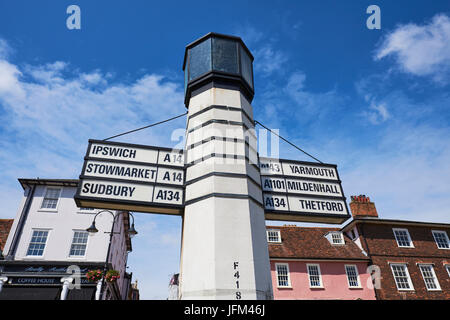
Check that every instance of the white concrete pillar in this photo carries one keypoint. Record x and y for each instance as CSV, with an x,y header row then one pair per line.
x,y
98,289
2,281
65,290
224,247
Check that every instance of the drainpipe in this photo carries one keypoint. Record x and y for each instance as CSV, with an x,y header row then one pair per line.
x,y
98,289
66,282
20,225
2,281
370,257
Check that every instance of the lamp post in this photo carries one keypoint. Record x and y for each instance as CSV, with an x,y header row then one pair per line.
x,y
92,230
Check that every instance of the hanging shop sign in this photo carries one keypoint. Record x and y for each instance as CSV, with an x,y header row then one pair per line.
x,y
124,176
302,191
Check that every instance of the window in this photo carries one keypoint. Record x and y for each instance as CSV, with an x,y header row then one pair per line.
x,y
401,277
51,198
403,238
448,269
315,279
37,243
337,238
273,236
79,243
352,276
441,239
283,274
429,277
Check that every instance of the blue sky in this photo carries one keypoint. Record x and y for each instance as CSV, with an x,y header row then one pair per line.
x,y
375,102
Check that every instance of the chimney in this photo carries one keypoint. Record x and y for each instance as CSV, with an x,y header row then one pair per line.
x,y
362,207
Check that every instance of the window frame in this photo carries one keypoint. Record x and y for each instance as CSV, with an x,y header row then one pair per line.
x,y
320,286
411,244
405,265
446,237
341,237
57,201
86,211
436,281
72,243
289,285
447,267
273,230
357,276
28,256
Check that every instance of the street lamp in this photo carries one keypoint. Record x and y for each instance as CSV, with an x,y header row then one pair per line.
x,y
92,230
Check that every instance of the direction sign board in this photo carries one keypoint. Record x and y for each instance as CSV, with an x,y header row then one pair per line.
x,y
123,176
302,191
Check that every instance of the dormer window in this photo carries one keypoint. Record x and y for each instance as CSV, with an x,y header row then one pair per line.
x,y
335,237
273,236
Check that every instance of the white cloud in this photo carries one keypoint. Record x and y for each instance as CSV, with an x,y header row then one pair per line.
x,y
5,49
377,113
269,60
48,112
422,50
249,34
406,173
9,83
311,103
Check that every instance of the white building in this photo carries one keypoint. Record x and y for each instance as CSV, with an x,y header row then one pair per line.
x,y
49,236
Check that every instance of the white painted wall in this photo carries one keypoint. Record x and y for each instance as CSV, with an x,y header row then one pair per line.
x,y
219,231
61,223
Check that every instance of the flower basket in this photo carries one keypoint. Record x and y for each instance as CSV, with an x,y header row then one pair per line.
x,y
94,275
112,275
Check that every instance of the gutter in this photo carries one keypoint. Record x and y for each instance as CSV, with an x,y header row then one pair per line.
x,y
369,255
23,217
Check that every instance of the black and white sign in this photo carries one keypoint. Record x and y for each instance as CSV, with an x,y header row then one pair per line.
x,y
302,191
42,281
132,177
122,176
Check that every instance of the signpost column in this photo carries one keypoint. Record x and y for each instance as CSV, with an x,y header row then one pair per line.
x,y
220,187
224,247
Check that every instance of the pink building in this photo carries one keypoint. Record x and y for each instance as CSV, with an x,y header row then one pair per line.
x,y
317,263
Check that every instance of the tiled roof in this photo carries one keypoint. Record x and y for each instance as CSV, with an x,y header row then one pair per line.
x,y
5,226
310,243
373,220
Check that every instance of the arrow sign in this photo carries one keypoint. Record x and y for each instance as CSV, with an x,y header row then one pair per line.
x,y
123,176
302,191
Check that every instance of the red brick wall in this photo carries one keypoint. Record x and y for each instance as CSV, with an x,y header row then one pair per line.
x,y
379,242
363,209
388,290
5,226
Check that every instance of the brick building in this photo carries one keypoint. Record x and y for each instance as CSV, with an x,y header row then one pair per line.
x,y
413,257
5,226
317,263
